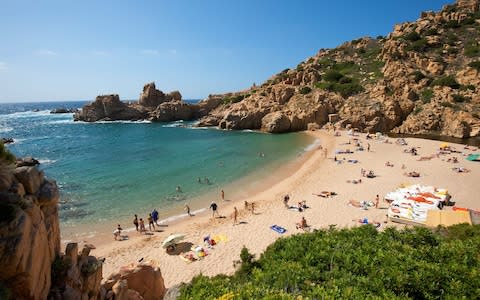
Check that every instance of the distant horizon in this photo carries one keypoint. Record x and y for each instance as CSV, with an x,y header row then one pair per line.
x,y
58,50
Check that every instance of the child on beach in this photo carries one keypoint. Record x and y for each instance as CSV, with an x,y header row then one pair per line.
x,y
142,226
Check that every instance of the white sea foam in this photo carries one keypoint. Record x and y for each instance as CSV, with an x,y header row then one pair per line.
x,y
118,122
5,129
28,114
179,123
47,161
313,145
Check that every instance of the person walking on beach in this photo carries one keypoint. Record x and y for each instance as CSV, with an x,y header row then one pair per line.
x,y
142,226
187,209
135,222
286,198
377,199
235,215
223,195
213,207
155,216
253,207
150,222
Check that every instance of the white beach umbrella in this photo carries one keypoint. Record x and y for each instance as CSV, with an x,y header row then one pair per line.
x,y
172,239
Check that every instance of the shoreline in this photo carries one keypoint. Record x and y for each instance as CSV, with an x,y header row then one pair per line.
x,y
175,214
315,174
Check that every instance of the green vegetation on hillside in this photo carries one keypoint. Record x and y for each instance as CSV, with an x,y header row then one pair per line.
x,y
5,155
358,263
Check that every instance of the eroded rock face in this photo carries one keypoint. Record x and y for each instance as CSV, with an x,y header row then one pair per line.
x,y
172,111
29,233
145,279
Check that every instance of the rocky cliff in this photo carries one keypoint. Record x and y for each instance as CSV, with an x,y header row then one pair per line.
x,y
421,78
32,264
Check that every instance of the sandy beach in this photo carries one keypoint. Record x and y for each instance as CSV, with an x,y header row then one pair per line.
x,y
318,172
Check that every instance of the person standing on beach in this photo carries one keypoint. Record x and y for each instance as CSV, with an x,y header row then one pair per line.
x,y
286,198
377,199
253,207
150,222
142,226
155,216
223,195
135,222
187,209
213,207
235,215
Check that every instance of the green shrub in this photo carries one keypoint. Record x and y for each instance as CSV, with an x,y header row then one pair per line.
x,y
358,263
472,50
449,81
467,87
412,36
427,95
475,65
417,75
417,110
332,76
452,24
446,104
451,39
431,31
420,45
305,90
6,155
379,37
460,99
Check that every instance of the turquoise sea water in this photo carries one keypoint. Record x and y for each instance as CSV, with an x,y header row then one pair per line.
x,y
109,171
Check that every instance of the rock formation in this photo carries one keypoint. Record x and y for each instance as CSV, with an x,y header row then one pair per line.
x,y
109,108
142,281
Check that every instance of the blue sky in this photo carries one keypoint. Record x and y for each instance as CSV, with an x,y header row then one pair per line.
x,y
76,50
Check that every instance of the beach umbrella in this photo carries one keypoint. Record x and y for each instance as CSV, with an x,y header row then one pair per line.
x,y
172,239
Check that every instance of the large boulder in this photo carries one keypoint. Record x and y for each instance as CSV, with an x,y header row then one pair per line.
x,y
276,122
172,111
30,177
143,278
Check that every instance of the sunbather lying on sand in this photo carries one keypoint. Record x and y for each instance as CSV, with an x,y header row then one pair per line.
x,y
354,181
325,194
412,174
365,221
461,170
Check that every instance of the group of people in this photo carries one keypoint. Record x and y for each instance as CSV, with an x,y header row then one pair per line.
x,y
152,221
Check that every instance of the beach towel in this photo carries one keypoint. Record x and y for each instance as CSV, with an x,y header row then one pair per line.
x,y
278,229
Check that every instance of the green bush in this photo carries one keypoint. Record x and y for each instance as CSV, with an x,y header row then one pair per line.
x,y
475,65
427,95
447,104
472,50
6,155
460,99
417,110
452,24
358,263
420,45
332,76
417,75
412,36
305,90
449,81
431,31
344,89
